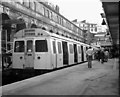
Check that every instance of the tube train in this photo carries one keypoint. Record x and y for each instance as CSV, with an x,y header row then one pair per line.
x,y
39,49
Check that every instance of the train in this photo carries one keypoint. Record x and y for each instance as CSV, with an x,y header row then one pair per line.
x,y
38,49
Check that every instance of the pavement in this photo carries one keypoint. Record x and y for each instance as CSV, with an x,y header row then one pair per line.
x,y
101,79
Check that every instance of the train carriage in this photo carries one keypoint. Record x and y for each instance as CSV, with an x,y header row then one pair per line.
x,y
39,49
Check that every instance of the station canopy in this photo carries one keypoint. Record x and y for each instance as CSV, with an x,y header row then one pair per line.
x,y
111,9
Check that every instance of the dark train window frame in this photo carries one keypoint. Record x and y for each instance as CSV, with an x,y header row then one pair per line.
x,y
71,49
29,47
54,47
79,49
21,49
59,47
44,47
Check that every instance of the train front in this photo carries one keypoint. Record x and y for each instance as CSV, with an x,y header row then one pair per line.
x,y
30,49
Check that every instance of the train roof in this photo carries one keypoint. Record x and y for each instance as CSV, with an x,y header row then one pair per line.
x,y
37,32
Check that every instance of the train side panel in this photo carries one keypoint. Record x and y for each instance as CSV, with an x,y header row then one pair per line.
x,y
18,57
71,53
59,53
42,54
84,50
79,54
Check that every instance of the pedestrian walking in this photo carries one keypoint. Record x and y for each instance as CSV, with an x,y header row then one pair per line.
x,y
98,54
106,55
102,55
89,54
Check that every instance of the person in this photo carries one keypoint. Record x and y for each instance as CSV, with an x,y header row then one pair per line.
x,y
106,55
98,54
89,54
102,55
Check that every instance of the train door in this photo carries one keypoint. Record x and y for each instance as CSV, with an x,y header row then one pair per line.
x,y
42,54
59,54
82,53
29,54
85,59
75,53
18,54
65,53
79,53
71,54
54,54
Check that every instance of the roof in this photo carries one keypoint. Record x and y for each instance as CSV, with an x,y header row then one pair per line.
x,y
111,9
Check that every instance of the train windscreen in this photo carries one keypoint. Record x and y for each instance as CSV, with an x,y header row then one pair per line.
x,y
41,46
19,46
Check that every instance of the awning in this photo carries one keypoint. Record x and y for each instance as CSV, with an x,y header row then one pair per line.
x,y
111,9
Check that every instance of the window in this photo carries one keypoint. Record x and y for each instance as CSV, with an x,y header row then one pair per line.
x,y
54,47
95,29
51,15
57,19
29,46
61,21
47,13
41,46
32,5
91,29
71,48
64,22
59,48
26,3
72,26
19,46
39,8
79,49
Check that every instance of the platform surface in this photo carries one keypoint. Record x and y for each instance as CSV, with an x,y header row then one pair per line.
x,y
101,79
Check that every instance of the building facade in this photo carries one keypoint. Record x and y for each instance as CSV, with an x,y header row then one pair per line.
x,y
20,14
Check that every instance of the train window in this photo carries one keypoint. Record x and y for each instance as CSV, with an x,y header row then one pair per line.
x,y
54,47
86,48
79,49
71,48
41,46
19,46
59,48
29,46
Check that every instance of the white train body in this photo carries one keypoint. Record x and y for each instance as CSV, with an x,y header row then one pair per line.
x,y
39,49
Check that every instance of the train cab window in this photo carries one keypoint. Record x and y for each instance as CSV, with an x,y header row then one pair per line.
x,y
19,46
59,48
41,46
29,46
54,47
71,48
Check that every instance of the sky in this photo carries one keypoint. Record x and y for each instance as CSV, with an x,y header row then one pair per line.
x,y
88,10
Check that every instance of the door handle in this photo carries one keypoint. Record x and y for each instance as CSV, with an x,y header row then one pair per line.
x,y
29,54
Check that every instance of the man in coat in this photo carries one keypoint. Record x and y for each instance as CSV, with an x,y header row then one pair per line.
x,y
89,54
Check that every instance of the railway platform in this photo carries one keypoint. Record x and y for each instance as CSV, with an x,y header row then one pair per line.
x,y
101,79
